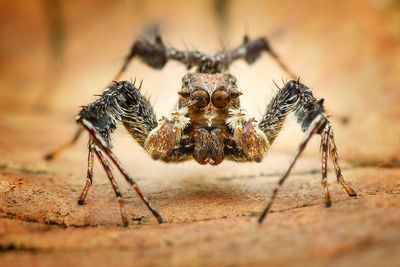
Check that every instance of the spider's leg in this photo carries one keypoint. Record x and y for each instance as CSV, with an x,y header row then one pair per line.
x,y
298,98
114,184
105,148
335,159
277,111
58,150
314,126
89,177
250,50
156,54
122,102
324,160
151,52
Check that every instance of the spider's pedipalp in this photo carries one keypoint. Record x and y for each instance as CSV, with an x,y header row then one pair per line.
x,y
247,136
162,139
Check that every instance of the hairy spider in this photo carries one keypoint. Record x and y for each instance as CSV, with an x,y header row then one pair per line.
x,y
208,124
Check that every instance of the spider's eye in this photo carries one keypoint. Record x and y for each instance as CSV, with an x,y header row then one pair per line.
x,y
220,98
201,98
235,94
231,79
185,93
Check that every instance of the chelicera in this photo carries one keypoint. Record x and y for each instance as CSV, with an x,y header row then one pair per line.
x,y
208,124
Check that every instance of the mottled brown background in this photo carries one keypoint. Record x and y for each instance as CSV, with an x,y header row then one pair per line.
x,y
55,55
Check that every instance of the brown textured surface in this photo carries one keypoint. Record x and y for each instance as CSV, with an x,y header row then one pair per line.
x,y
348,52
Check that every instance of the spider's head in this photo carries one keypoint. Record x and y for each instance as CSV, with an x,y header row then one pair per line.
x,y
203,91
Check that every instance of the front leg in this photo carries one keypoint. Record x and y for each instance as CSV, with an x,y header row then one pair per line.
x,y
120,102
250,50
156,54
298,98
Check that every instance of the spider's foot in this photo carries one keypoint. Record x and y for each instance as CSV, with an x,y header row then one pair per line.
x,y
160,219
81,201
49,156
352,194
260,220
350,191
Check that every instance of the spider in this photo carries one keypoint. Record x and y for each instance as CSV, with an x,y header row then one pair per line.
x,y
207,124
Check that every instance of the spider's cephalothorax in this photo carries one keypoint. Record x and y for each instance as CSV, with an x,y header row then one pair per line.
x,y
207,124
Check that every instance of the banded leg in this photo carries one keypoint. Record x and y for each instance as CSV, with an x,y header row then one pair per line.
x,y
335,159
153,53
89,177
324,161
105,148
122,102
251,51
156,54
114,184
296,97
58,150
278,109
314,126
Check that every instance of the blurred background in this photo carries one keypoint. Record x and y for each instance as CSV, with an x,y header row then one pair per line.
x,y
55,55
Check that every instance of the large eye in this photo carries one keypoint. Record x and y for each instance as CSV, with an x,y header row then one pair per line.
x,y
231,79
201,98
185,93
220,98
235,93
